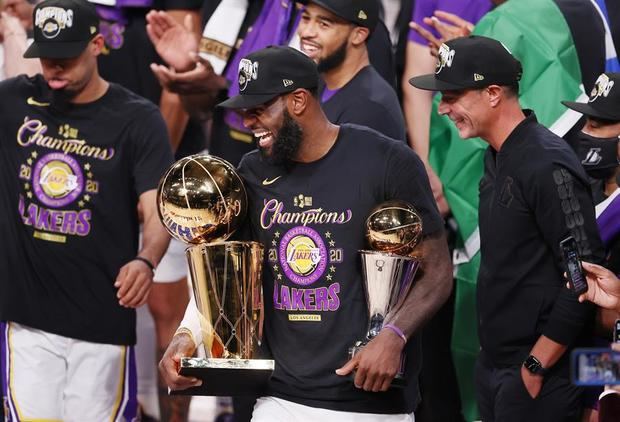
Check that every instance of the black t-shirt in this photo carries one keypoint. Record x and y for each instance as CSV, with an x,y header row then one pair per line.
x,y
367,100
527,206
69,185
314,299
127,57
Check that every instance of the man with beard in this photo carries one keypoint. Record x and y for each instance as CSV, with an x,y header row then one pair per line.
x,y
78,156
335,33
305,165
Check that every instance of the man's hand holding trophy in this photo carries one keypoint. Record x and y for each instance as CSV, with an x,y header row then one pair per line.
x,y
202,202
393,230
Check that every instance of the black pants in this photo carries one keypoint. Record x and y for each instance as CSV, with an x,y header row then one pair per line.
x,y
441,400
502,396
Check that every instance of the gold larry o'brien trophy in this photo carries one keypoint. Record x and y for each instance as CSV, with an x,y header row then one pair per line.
x,y
393,230
202,201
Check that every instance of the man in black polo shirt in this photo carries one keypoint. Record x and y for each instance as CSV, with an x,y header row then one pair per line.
x,y
534,193
335,33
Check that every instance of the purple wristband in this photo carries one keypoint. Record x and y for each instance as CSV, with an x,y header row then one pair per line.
x,y
397,331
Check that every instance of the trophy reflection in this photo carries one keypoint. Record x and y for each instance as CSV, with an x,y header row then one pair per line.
x,y
202,202
393,230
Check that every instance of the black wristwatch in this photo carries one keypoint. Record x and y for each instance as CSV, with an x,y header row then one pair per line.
x,y
533,365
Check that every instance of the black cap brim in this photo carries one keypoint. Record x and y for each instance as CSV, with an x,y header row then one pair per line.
x,y
243,101
371,25
587,110
431,83
56,50
320,4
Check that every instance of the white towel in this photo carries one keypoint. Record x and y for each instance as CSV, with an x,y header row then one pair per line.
x,y
221,33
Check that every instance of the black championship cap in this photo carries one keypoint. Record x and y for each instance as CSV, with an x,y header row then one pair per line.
x,y
470,63
604,102
360,12
62,28
272,71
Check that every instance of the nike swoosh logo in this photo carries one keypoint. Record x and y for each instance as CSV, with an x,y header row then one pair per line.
x,y
32,101
268,182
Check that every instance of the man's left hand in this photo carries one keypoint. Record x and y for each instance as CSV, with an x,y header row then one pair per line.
x,y
533,383
134,283
377,363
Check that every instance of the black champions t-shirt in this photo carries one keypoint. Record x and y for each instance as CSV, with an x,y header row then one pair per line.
x,y
69,184
311,222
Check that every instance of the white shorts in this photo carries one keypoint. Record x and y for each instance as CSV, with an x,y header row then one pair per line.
x,y
273,409
173,265
55,378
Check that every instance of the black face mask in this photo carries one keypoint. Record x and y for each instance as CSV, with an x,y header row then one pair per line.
x,y
599,156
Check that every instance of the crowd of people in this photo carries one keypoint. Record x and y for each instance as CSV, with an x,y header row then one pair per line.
x,y
498,120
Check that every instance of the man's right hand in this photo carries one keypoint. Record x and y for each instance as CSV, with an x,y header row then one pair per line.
x,y
181,346
173,41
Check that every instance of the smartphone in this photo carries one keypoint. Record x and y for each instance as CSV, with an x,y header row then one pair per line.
x,y
617,331
574,271
595,367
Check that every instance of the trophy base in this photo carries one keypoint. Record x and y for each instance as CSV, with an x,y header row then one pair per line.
x,y
226,377
398,381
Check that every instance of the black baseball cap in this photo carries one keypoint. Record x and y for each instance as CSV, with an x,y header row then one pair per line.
x,y
62,28
604,101
272,71
360,12
471,62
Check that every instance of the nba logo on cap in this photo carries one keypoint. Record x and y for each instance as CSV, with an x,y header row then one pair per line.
x,y
445,56
602,87
248,71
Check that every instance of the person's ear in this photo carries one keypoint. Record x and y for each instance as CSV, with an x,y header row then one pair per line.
x,y
359,35
97,44
297,101
494,93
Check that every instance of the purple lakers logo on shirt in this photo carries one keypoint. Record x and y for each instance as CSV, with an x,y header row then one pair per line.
x,y
303,255
57,180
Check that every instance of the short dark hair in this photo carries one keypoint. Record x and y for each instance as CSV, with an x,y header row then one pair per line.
x,y
314,92
512,89
603,122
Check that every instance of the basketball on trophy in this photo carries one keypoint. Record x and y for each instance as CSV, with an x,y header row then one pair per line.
x,y
201,199
394,227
